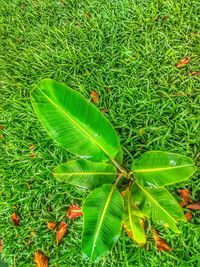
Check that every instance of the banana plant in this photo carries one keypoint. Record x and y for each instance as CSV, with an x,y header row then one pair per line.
x,y
79,127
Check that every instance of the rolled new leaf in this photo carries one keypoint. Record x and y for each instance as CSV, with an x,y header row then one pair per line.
x,y
133,223
158,204
157,169
73,122
85,173
102,220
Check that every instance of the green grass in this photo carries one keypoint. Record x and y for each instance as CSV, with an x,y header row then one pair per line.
x,y
132,47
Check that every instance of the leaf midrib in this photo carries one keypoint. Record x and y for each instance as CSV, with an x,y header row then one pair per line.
x,y
101,219
129,212
161,169
85,173
148,195
75,123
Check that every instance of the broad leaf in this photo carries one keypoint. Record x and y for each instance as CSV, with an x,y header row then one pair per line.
x,y
158,204
74,122
102,215
85,173
119,156
132,223
157,169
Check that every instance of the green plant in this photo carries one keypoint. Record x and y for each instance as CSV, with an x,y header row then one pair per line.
x,y
78,126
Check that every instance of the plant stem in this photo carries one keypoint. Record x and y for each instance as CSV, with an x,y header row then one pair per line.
x,y
122,170
118,179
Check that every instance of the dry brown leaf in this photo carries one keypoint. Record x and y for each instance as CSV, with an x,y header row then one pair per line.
x,y
95,97
185,195
1,246
74,211
40,259
1,127
183,62
195,73
181,204
160,243
51,225
15,218
194,206
105,110
61,232
188,215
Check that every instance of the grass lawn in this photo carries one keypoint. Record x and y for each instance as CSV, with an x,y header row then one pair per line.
x,y
129,46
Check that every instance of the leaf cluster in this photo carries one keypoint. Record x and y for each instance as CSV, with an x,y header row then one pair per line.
x,y
78,126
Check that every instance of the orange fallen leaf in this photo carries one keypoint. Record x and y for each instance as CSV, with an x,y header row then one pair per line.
x,y
95,97
182,204
160,243
183,62
195,73
51,225
188,215
40,259
74,211
194,206
108,90
1,246
61,232
185,194
15,218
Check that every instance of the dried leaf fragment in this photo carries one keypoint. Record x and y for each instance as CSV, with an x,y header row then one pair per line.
x,y
15,218
74,211
185,195
1,246
1,127
40,259
183,62
95,97
181,204
188,215
194,206
61,232
195,73
104,110
51,225
160,243
31,147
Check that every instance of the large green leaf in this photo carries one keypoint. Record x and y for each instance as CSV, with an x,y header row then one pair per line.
x,y
74,122
85,173
158,204
157,169
119,157
102,216
132,222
